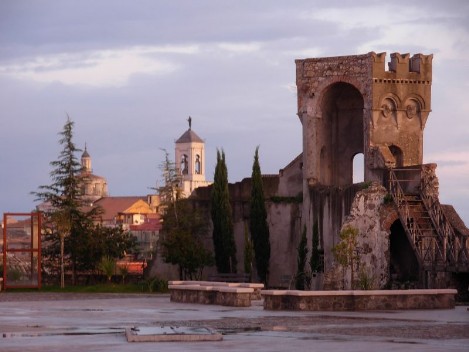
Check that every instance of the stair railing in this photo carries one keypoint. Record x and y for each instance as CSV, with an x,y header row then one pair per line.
x,y
456,249
419,241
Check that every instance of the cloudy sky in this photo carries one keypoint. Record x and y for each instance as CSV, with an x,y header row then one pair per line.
x,y
129,73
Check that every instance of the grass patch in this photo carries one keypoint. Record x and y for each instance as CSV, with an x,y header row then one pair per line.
x,y
99,288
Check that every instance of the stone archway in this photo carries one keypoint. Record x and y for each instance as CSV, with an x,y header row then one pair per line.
x,y
342,132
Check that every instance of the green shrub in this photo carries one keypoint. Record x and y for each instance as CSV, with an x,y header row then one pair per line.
x,y
388,199
366,185
155,284
108,266
366,281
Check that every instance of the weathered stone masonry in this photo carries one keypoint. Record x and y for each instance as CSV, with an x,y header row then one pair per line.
x,y
351,105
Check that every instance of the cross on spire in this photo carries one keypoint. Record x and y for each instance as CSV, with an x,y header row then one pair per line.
x,y
190,122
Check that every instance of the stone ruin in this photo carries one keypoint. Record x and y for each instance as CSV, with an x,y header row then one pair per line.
x,y
351,105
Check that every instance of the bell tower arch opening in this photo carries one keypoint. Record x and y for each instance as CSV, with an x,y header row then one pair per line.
x,y
342,131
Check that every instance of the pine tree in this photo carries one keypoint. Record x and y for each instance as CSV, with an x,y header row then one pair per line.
x,y
223,233
68,220
64,193
258,222
71,236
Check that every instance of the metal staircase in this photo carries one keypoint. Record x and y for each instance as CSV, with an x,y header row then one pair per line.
x,y
436,245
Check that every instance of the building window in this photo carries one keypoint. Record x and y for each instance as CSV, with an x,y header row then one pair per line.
x,y
184,165
358,164
197,164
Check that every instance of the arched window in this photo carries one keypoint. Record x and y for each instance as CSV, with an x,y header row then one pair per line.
x,y
184,165
358,168
397,153
197,164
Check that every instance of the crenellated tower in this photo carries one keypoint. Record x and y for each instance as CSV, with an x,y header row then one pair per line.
x,y
350,105
400,104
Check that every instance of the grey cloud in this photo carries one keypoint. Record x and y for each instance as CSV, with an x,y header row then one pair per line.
x,y
87,25
237,101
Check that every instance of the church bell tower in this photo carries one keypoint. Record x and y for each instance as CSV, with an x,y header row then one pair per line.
x,y
190,160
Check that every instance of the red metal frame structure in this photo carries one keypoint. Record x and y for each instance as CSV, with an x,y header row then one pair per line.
x,y
24,251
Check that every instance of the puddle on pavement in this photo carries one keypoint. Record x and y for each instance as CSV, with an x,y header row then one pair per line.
x,y
233,331
66,332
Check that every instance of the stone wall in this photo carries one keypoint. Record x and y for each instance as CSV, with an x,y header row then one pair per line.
x,y
358,300
329,206
370,215
283,203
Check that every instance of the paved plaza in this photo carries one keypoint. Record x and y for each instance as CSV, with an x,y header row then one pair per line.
x,y
96,322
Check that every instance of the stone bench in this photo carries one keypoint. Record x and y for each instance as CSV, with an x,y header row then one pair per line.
x,y
358,300
257,287
233,296
221,294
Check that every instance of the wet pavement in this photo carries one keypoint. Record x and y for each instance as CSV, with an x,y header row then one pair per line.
x,y
97,322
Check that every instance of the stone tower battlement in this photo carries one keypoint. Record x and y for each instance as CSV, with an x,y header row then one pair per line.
x,y
415,69
351,104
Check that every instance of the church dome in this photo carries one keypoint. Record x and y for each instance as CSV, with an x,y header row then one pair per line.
x,y
94,186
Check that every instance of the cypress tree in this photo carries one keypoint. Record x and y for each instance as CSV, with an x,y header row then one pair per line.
x,y
258,222
223,233
248,251
301,261
315,253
